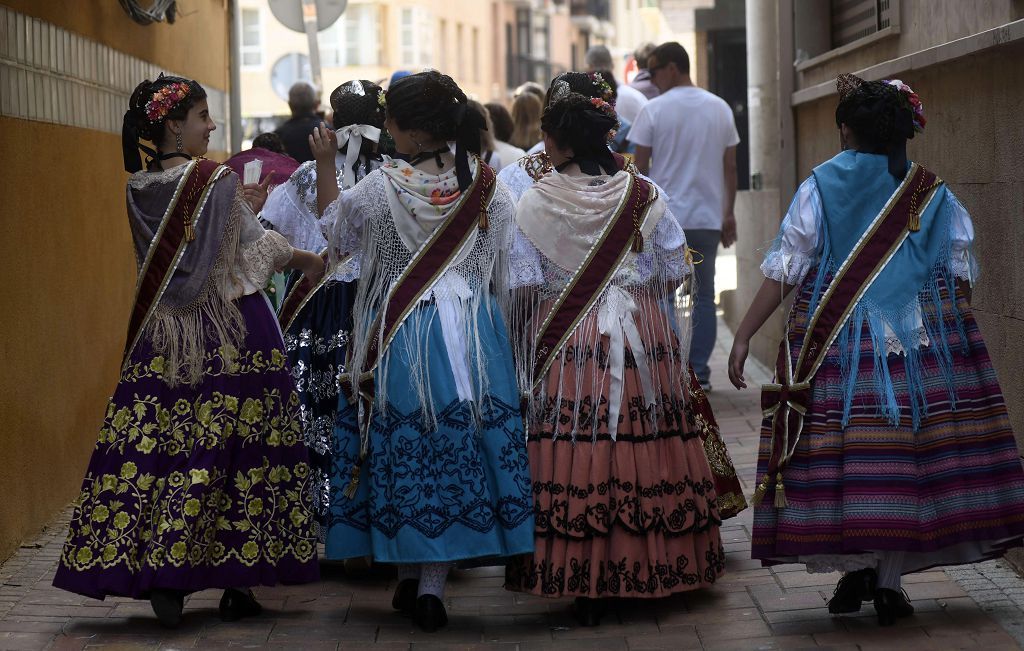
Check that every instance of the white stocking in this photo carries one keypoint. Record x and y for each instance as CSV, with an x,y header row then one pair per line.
x,y
433,576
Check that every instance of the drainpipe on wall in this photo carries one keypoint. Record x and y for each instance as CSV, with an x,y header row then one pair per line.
x,y
235,92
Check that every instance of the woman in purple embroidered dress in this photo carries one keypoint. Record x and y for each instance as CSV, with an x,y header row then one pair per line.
x,y
199,478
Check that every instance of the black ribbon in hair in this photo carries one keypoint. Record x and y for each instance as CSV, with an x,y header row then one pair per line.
x,y
468,125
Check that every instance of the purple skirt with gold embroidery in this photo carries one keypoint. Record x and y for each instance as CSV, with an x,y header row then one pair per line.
x,y
197,487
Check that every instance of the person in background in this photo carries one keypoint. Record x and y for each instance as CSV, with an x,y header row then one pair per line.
x,y
686,142
628,100
642,82
526,110
502,122
488,150
303,100
531,87
277,166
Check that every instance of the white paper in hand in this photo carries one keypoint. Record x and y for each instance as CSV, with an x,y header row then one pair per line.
x,y
251,171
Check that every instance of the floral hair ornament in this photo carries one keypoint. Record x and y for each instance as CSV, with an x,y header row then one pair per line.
x,y
166,99
381,100
912,101
606,89
608,110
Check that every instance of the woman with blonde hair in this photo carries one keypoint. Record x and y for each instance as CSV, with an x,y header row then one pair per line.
x,y
526,110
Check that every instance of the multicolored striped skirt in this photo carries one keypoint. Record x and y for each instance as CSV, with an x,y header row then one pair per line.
x,y
950,492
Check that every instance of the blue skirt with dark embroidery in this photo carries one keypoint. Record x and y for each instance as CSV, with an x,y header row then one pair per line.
x,y
316,343
457,491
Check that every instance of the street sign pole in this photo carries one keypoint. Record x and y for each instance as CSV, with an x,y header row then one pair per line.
x,y
310,22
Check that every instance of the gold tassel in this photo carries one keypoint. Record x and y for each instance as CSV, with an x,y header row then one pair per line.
x,y
484,222
780,493
353,483
761,489
914,224
190,231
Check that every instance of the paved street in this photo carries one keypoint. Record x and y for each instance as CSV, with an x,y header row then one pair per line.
x,y
972,607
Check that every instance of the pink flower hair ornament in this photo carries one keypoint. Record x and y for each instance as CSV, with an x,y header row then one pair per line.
x,y
166,99
913,102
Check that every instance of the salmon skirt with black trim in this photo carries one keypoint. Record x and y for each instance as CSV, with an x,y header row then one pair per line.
x,y
950,492
633,517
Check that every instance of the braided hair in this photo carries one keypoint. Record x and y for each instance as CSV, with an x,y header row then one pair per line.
x,y
582,124
432,102
147,115
880,119
357,102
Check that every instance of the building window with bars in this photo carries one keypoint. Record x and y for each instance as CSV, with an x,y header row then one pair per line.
x,y
852,20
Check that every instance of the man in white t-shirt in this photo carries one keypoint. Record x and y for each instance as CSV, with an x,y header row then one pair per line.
x,y
686,142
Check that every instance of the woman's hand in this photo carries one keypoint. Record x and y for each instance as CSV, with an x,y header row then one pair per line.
x,y
323,142
255,194
737,358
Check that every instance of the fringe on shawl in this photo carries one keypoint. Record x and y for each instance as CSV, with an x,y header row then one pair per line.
x,y
885,327
179,335
674,298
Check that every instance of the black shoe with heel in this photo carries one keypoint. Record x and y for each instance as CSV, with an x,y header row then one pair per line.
x,y
404,600
167,605
891,605
236,604
589,612
852,590
430,614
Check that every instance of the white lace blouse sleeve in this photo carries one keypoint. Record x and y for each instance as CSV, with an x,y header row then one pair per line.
x,y
962,262
796,249
524,262
260,252
345,217
516,179
670,248
291,210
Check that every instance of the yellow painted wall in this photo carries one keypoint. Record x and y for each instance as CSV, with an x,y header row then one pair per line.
x,y
68,265
195,45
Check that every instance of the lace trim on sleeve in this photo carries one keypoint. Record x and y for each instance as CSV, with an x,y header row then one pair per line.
x,y
787,268
525,268
262,257
670,247
962,262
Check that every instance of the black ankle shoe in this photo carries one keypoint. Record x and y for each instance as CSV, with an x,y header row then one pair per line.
x,y
430,614
404,600
852,590
590,611
167,605
236,604
891,605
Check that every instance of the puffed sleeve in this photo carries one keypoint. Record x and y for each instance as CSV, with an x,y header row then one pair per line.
x,y
260,252
669,249
796,250
962,262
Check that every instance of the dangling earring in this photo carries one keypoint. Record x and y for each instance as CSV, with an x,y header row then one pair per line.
x,y
419,147
177,141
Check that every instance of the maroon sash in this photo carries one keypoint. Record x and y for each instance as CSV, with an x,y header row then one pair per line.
x,y
621,235
786,401
427,265
300,294
176,230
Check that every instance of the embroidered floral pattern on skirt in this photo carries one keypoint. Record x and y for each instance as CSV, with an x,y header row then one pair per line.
x,y
633,517
197,487
317,343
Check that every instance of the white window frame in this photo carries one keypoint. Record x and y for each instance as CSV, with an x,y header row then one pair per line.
x,y
257,49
